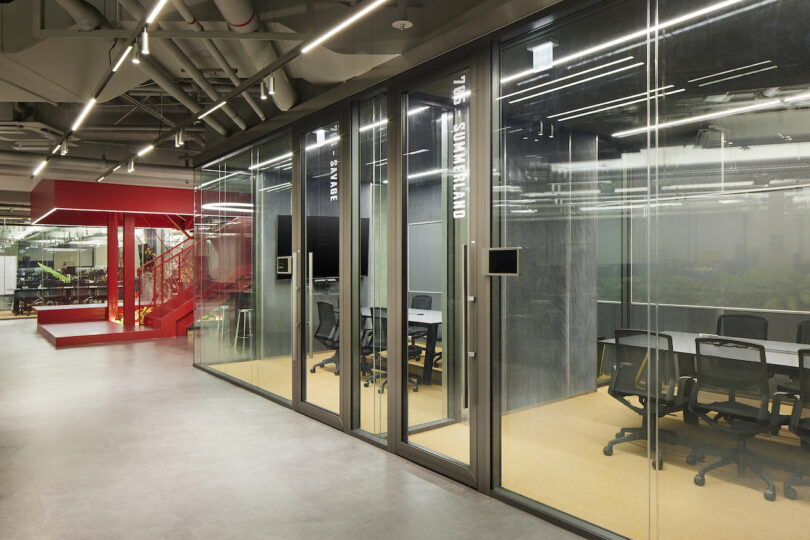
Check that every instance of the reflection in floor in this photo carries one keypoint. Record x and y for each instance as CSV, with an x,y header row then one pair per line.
x,y
424,407
553,454
8,314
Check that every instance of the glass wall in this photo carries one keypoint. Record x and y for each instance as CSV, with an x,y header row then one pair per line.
x,y
225,303
657,189
47,265
369,258
321,266
436,165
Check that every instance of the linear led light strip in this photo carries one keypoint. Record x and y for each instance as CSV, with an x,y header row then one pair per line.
x,y
367,127
624,104
746,74
90,104
575,83
232,207
426,173
270,161
629,37
573,75
729,71
362,13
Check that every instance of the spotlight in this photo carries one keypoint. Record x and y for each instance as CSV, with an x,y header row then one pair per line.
x,y
136,56
262,93
63,148
178,139
131,165
145,42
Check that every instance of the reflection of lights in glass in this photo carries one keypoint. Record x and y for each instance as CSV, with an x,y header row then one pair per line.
x,y
422,174
575,83
279,187
367,127
692,119
270,161
330,140
246,208
729,71
220,179
572,76
746,74
720,185
624,104
417,110
629,37
640,94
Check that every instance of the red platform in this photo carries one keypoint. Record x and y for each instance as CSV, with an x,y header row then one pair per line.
x,y
90,332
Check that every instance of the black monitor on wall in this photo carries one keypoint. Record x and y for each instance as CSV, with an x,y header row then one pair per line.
x,y
323,240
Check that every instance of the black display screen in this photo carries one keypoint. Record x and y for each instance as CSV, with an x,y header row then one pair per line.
x,y
323,240
503,261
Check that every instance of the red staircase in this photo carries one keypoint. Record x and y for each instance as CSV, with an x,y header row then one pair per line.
x,y
166,293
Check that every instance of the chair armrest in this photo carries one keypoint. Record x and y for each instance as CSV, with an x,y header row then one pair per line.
x,y
685,384
776,407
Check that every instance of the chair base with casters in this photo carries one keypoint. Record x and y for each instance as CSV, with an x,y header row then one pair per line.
x,y
744,459
334,359
630,434
797,480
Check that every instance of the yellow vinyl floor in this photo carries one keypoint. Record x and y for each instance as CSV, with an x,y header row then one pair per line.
x,y
8,314
323,390
553,454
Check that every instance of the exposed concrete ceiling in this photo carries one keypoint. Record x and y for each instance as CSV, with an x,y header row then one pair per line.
x,y
53,55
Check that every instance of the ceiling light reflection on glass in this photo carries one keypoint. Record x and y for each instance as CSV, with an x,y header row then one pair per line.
x,y
572,76
575,83
330,140
270,161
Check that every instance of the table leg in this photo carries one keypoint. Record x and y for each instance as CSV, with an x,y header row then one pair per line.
x,y
430,354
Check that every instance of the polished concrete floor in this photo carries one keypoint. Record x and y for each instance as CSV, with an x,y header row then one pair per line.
x,y
129,441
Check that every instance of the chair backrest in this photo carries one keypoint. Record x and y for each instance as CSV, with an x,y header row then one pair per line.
x,y
804,395
731,371
379,325
646,365
803,332
327,321
421,301
742,326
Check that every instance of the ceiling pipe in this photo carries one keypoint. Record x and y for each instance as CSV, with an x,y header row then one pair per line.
x,y
189,17
86,16
137,11
241,17
163,80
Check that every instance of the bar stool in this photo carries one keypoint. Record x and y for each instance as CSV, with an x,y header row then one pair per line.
x,y
244,326
223,316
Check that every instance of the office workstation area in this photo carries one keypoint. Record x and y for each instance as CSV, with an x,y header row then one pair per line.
x,y
566,264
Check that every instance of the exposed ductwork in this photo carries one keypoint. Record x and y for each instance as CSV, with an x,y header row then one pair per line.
x,y
166,83
136,10
183,10
241,17
87,17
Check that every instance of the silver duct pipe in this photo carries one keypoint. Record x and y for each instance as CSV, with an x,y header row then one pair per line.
x,y
241,17
183,10
165,81
136,10
86,16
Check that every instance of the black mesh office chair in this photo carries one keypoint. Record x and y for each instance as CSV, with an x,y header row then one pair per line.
x,y
419,301
328,335
803,332
652,393
379,343
731,393
800,420
742,326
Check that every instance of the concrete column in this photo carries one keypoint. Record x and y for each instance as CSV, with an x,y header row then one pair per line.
x,y
112,266
129,270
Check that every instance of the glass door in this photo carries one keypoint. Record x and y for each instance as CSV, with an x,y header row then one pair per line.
x,y
437,295
320,268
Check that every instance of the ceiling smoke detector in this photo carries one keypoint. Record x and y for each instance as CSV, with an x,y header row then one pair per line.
x,y
402,24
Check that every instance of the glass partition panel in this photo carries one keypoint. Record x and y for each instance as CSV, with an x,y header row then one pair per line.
x,y
224,309
571,433
729,254
436,168
370,267
321,265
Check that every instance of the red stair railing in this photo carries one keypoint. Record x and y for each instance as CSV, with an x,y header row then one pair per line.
x,y
164,277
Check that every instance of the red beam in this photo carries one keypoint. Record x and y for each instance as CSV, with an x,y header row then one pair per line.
x,y
129,271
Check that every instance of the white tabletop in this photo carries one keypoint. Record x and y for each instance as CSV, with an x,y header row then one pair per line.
x,y
780,353
424,316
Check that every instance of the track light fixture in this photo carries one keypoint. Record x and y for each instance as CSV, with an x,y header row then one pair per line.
x,y
63,148
136,55
145,42
271,89
131,165
178,139
262,93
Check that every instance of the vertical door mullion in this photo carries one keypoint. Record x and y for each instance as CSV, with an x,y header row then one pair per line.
x,y
345,297
297,296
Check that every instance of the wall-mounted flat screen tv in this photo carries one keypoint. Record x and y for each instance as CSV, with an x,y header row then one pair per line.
x,y
323,239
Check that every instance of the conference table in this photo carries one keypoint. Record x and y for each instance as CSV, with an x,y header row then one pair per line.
x,y
430,320
781,356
